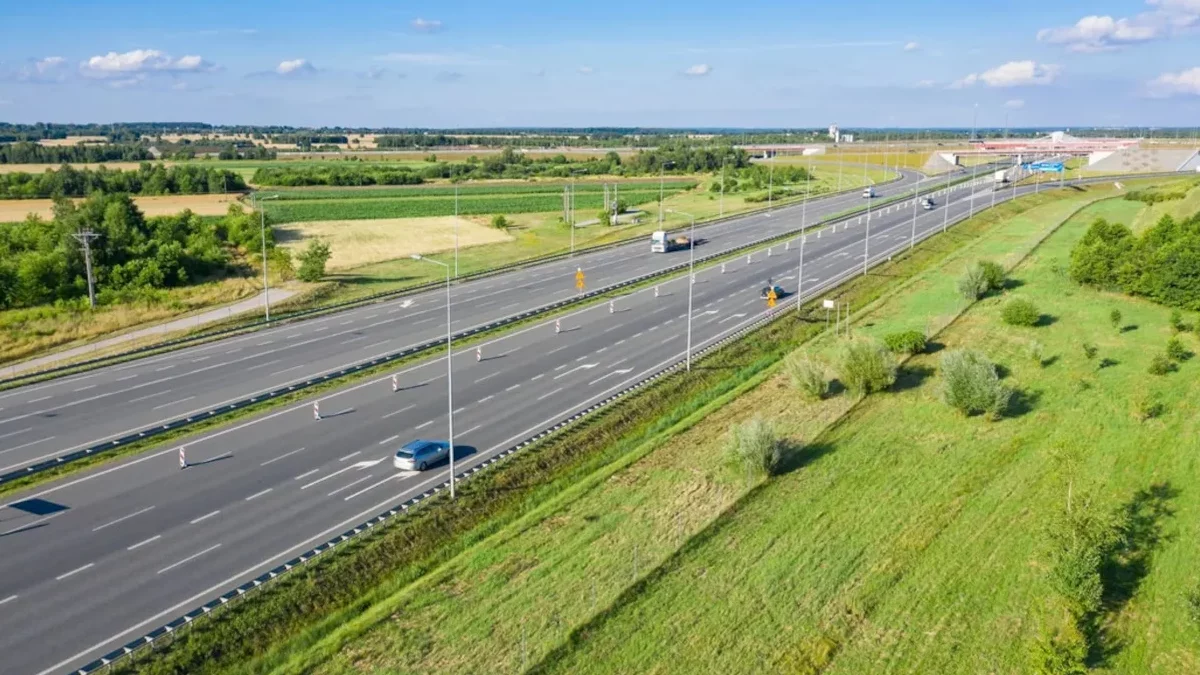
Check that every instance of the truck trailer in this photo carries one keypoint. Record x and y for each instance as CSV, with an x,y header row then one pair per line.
x,y
661,243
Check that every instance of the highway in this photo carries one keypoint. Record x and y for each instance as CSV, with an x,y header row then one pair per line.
x,y
98,559
44,421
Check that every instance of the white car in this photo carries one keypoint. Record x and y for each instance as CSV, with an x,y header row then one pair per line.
x,y
868,193
420,455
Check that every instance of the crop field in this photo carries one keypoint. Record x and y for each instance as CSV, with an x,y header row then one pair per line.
x,y
420,206
356,243
13,210
848,160
524,187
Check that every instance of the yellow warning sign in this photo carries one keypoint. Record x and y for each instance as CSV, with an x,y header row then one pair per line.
x,y
771,298
579,279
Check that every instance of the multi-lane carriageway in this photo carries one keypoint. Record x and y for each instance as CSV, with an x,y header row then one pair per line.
x,y
43,421
117,551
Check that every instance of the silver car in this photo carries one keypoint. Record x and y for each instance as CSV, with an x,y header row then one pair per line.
x,y
420,455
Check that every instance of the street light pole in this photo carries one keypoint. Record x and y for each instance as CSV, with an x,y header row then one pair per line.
x,y
691,283
722,188
916,195
449,366
455,231
867,238
262,225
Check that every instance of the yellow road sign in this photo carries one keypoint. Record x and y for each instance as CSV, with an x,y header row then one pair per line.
x,y
771,298
579,279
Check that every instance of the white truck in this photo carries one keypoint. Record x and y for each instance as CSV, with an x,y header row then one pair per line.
x,y
1001,176
869,193
661,243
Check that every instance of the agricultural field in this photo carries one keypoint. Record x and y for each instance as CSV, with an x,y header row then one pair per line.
x,y
901,537
355,243
13,210
351,204
849,160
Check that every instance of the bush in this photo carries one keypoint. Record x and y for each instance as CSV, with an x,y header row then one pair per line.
x,y
866,366
1176,351
971,385
500,222
905,342
1062,651
755,446
993,275
1193,605
312,261
1089,350
807,376
1160,365
1114,317
1147,407
1020,312
1036,353
1176,321
973,283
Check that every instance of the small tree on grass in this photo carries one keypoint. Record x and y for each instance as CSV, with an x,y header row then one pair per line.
x,y
807,376
1036,353
993,275
500,222
1193,605
1060,651
1160,365
971,385
1176,321
1114,317
973,283
604,217
1176,351
905,342
1020,312
1089,350
312,261
865,365
754,446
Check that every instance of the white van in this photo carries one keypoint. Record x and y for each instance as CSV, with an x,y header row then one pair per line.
x,y
869,193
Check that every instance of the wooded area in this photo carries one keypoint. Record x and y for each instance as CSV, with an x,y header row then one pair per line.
x,y
147,179
1163,264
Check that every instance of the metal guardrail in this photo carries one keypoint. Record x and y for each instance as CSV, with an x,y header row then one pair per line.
x,y
288,317
168,630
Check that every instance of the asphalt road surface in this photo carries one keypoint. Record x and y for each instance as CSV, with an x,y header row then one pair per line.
x,y
96,560
43,421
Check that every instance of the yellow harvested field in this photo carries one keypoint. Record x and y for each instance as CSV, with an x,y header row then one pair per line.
x,y
12,210
72,140
40,168
355,243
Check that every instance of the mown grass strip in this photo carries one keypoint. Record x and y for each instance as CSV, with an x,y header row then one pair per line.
x,y
310,602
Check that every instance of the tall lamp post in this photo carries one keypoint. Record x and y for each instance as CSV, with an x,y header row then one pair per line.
x,y
449,366
262,225
691,282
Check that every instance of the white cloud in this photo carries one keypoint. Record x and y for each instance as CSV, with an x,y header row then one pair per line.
x,y
48,69
585,70
1185,82
126,82
1012,74
113,64
1014,104
912,46
426,25
698,70
49,63
925,84
1094,33
295,67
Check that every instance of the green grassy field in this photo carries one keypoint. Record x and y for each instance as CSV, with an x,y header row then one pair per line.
x,y
743,593
476,190
914,544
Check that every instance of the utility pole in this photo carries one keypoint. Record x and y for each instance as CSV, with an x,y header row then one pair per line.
x,y
85,238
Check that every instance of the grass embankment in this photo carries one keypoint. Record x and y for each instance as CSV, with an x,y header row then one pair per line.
x,y
556,570
313,601
916,542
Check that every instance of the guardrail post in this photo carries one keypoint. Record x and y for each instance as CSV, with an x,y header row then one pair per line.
x,y
557,326
316,410
395,383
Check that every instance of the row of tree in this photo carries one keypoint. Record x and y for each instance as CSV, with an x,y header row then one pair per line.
x,y
33,153
147,179
41,261
1163,264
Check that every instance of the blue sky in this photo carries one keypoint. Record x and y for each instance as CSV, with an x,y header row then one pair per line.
x,y
618,63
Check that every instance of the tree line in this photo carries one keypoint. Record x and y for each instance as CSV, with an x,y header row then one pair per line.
x,y
42,262
1162,264
32,153
147,179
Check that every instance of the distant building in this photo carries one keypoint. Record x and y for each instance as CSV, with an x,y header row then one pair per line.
x,y
834,133
847,138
